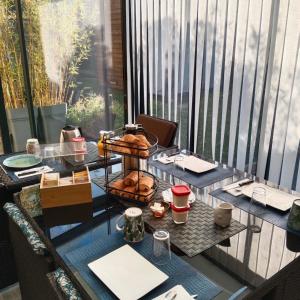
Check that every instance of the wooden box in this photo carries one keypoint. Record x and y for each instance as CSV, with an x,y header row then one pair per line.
x,y
66,200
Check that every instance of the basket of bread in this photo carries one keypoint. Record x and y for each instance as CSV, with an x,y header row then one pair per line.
x,y
139,186
141,144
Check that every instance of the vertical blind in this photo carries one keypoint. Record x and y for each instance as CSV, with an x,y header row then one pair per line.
x,y
228,71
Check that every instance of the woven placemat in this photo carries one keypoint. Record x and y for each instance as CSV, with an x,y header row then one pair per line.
x,y
179,271
268,214
198,180
198,234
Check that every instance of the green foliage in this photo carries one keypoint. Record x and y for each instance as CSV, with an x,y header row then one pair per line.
x,y
85,110
58,41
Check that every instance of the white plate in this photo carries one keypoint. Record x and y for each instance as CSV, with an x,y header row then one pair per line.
x,y
274,197
194,164
167,196
127,274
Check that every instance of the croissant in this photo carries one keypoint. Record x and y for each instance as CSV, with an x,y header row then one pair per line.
x,y
130,138
117,148
145,183
132,178
143,139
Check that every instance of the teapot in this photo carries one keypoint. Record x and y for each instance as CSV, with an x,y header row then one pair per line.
x,y
69,132
223,214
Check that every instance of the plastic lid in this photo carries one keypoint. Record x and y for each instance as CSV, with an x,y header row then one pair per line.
x,y
78,139
180,209
180,190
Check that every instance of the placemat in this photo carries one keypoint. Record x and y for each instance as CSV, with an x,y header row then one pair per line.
x,y
198,234
268,214
178,270
198,180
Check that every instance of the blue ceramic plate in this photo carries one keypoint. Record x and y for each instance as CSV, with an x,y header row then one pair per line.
x,y
22,161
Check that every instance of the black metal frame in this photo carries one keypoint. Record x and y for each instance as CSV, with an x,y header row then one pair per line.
x,y
27,84
4,124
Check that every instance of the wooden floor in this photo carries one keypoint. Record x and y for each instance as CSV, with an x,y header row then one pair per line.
x,y
10,293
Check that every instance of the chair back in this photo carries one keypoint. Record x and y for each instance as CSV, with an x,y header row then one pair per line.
x,y
62,286
31,256
164,130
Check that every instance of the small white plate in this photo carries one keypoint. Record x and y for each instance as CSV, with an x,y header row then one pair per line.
x,y
127,273
167,196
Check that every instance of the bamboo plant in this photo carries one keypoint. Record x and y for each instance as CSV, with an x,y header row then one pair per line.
x,y
57,41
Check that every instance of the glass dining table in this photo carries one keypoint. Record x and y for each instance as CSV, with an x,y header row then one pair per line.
x,y
253,263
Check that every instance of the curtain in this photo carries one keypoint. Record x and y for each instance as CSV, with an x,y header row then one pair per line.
x,y
228,71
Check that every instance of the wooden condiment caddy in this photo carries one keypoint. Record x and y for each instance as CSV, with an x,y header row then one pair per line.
x,y
66,199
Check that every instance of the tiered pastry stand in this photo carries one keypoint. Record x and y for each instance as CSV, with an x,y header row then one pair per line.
x,y
130,162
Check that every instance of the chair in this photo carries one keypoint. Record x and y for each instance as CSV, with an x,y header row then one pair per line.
x,y
164,130
31,255
63,286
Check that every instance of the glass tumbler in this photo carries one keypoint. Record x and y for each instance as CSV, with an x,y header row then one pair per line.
x,y
256,209
161,247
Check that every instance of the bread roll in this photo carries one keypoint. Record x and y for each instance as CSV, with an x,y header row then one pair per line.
x,y
143,139
132,178
129,192
130,138
119,185
145,196
117,148
145,184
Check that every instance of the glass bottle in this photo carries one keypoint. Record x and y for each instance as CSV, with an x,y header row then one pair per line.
x,y
102,135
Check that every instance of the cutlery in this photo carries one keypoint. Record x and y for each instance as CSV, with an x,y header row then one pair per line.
x,y
171,295
245,183
3,169
194,296
32,171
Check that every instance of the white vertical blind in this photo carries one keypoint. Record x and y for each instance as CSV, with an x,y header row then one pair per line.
x,y
228,72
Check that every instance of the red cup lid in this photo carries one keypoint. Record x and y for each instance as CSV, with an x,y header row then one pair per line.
x,y
180,209
180,190
78,139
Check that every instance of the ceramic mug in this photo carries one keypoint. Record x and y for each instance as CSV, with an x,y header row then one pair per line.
x,y
294,216
223,214
133,227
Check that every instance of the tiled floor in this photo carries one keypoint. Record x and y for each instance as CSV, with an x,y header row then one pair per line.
x,y
10,293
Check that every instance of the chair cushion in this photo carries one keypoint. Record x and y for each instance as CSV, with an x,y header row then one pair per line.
x,y
30,200
65,284
164,130
31,235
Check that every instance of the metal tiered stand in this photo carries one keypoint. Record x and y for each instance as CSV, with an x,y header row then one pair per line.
x,y
135,161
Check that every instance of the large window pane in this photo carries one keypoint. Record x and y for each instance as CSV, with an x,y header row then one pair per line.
x,y
75,56
12,77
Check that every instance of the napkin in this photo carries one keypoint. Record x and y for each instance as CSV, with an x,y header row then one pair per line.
x,y
234,189
181,294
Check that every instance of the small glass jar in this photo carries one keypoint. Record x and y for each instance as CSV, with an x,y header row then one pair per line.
x,y
79,148
180,214
180,195
33,147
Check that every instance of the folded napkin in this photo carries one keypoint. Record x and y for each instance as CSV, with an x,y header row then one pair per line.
x,y
234,189
33,172
178,292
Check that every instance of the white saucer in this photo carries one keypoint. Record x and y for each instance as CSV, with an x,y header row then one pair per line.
x,y
167,196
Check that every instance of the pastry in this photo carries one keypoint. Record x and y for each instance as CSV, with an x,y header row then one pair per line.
x,y
116,186
132,178
129,192
145,184
130,138
143,139
145,196
116,147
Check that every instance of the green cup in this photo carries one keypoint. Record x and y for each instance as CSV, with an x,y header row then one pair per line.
x,y
133,227
294,216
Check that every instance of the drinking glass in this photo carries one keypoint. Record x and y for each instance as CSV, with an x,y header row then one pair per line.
x,y
176,169
161,247
256,209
